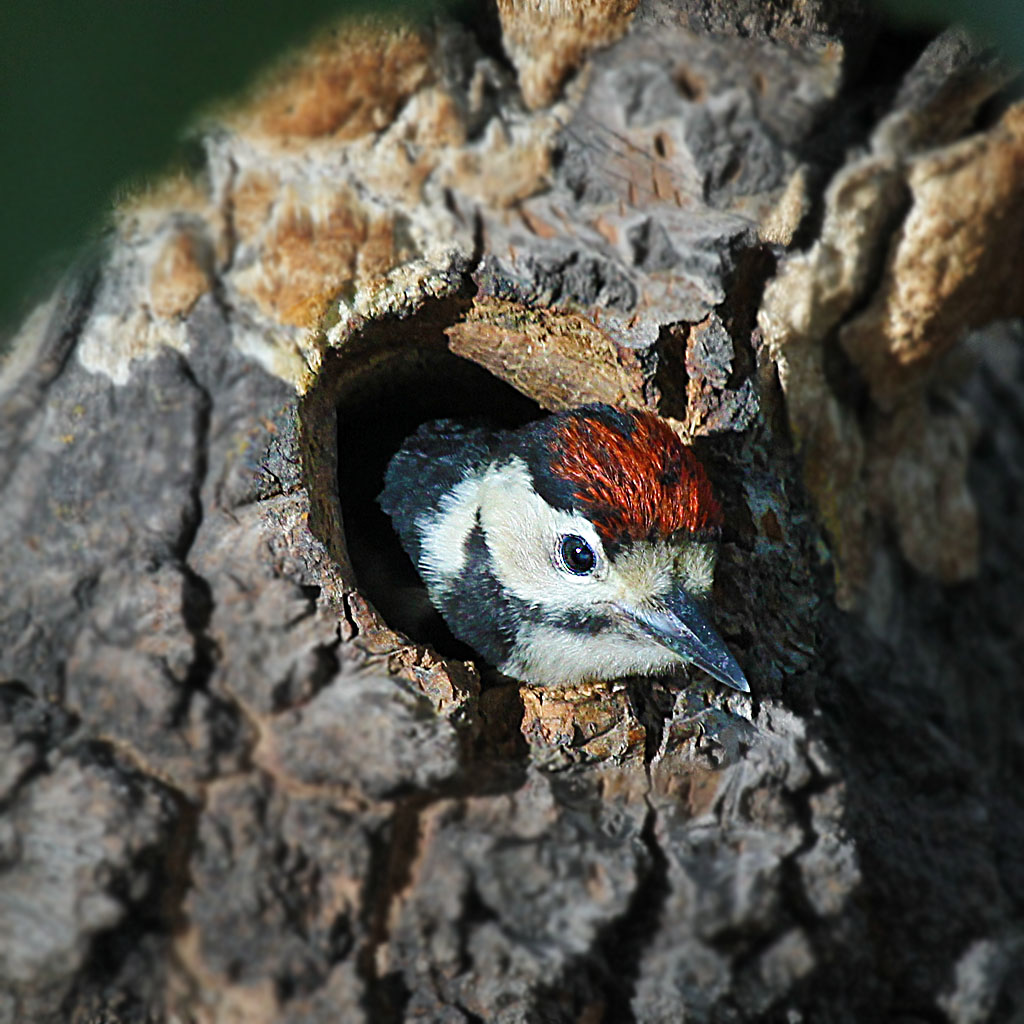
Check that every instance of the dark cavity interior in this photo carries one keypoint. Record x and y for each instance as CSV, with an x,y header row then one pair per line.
x,y
399,374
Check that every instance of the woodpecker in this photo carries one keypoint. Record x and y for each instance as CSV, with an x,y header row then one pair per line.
x,y
578,548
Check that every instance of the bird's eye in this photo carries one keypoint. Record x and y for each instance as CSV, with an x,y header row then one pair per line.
x,y
576,555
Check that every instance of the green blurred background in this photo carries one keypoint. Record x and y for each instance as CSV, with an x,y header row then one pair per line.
x,y
95,94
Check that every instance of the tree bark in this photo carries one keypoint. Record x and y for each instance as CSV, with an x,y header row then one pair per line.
x,y
246,774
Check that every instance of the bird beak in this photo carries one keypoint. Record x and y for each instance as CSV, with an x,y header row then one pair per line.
x,y
680,624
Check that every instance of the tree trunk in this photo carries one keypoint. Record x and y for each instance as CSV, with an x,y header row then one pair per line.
x,y
246,774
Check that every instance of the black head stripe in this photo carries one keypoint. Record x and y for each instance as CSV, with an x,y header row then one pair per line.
x,y
479,610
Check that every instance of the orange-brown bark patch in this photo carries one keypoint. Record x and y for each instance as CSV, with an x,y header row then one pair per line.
x,y
252,200
179,276
548,41
955,264
349,83
560,360
313,252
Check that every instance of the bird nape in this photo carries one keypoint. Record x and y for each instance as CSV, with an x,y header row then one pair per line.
x,y
578,548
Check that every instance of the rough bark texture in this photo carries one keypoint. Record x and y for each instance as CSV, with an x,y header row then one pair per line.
x,y
244,773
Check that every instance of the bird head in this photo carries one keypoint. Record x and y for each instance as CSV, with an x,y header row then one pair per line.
x,y
578,548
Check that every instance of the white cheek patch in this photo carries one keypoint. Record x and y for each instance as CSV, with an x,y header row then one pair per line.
x,y
443,533
523,531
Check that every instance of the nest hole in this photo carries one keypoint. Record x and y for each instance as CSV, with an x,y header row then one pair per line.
x,y
396,374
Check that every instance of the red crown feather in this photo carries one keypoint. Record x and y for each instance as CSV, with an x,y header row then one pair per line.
x,y
636,483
